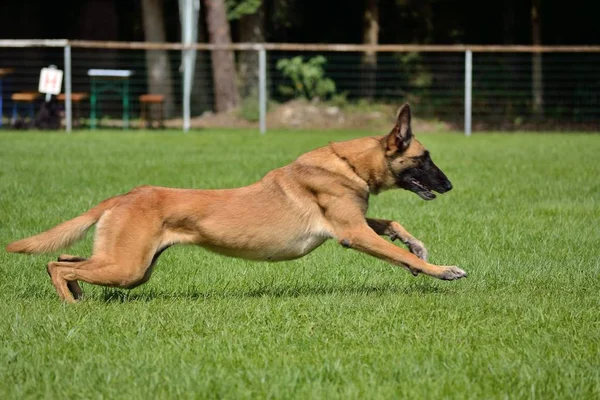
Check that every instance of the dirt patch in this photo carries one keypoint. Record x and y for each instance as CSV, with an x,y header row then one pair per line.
x,y
299,114
212,120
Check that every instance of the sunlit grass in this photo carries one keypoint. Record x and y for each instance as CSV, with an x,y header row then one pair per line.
x,y
522,220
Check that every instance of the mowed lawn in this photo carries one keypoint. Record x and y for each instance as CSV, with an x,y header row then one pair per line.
x,y
523,220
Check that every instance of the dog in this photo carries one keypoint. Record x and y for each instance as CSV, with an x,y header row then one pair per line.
x,y
323,194
49,116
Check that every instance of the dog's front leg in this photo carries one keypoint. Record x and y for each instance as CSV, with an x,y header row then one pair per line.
x,y
394,230
363,238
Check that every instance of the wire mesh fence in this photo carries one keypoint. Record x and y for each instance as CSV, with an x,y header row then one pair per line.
x,y
510,91
504,91
433,82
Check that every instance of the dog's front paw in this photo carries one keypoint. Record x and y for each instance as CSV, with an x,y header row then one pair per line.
x,y
452,273
418,249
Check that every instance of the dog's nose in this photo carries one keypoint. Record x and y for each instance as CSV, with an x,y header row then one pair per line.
x,y
448,186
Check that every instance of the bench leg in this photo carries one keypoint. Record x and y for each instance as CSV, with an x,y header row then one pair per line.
x,y
150,116
15,113
1,109
161,124
78,114
125,104
93,103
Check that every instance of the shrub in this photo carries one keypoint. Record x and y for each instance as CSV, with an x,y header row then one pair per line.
x,y
308,78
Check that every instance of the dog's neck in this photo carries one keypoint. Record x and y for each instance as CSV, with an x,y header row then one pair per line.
x,y
360,160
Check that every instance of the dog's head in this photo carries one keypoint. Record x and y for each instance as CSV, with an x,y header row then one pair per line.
x,y
410,163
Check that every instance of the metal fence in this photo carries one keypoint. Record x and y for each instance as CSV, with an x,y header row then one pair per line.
x,y
471,88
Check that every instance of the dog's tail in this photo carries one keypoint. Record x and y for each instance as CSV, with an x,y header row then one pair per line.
x,y
61,235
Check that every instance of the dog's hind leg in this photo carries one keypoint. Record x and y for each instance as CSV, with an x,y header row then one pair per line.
x,y
125,250
65,274
73,286
68,290
128,241
97,271
394,230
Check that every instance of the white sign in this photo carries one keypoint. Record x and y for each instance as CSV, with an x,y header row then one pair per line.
x,y
50,81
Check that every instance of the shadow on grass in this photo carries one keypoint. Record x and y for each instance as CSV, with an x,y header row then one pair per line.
x,y
122,296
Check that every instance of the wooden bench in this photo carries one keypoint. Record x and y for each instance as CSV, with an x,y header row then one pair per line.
x,y
147,101
27,98
3,73
76,99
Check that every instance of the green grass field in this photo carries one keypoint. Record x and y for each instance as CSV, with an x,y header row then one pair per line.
x,y
523,220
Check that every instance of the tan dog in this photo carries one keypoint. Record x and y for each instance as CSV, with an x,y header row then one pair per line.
x,y
322,195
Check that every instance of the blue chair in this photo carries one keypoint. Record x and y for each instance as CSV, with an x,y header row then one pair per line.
x,y
27,99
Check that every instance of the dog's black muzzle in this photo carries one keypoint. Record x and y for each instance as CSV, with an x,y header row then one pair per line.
x,y
424,179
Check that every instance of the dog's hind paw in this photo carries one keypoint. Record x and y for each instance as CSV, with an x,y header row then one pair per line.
x,y
452,273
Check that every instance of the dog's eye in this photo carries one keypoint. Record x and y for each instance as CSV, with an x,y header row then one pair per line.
x,y
423,157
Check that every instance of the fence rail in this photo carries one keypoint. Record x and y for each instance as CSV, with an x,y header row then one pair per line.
x,y
336,47
472,87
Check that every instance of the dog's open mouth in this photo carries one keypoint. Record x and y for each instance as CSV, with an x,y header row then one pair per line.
x,y
424,192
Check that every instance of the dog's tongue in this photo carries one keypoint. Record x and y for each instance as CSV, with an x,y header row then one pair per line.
x,y
427,195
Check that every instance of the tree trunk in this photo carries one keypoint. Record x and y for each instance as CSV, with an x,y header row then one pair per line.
x,y
252,30
157,61
537,83
201,95
98,20
508,19
510,61
227,97
369,58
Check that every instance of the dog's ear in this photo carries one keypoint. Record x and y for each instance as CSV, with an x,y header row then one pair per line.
x,y
400,137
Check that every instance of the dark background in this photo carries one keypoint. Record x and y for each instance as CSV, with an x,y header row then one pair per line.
x,y
502,82
338,21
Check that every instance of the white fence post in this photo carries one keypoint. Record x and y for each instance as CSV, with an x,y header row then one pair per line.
x,y
188,16
187,88
68,104
262,88
468,89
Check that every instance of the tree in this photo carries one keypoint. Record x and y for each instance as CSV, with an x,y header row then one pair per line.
x,y
537,76
98,20
251,30
508,21
201,98
509,65
157,61
227,97
370,37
